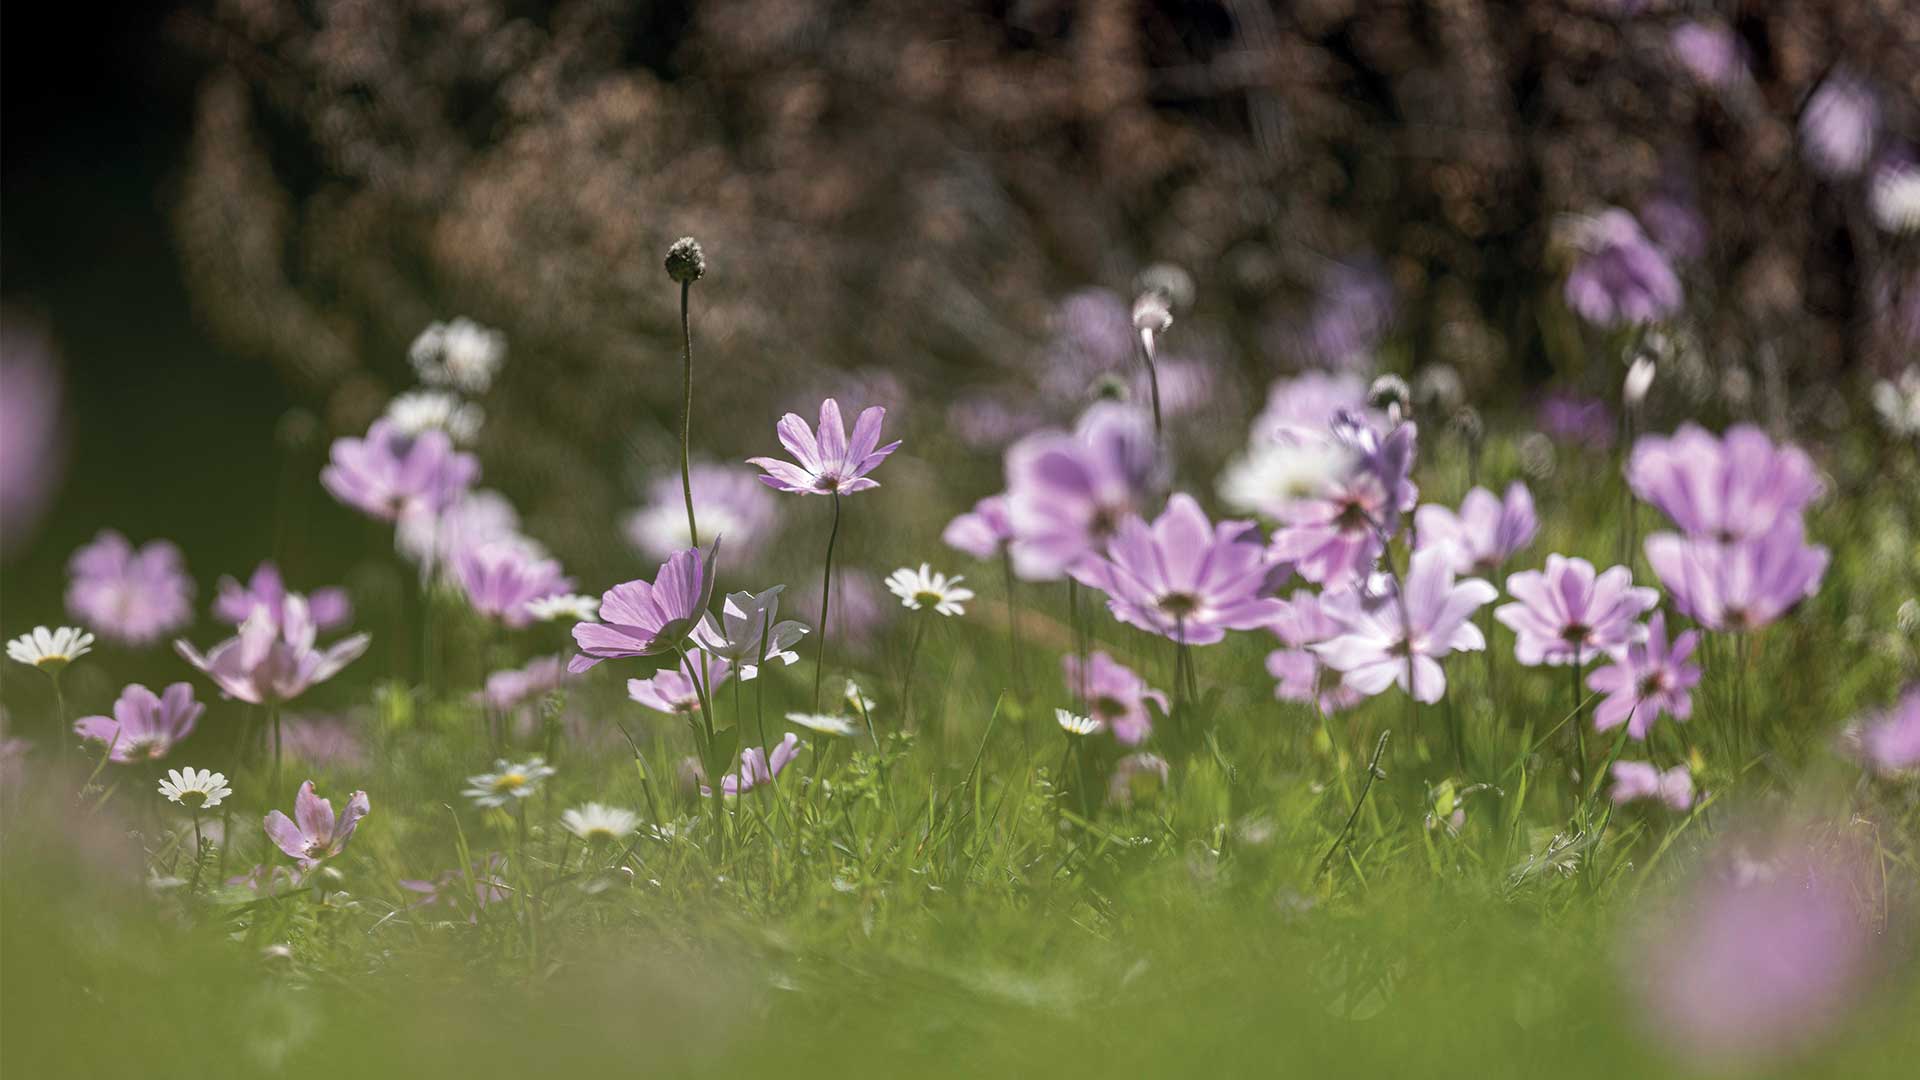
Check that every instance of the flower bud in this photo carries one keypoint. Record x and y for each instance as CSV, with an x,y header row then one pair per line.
x,y
686,263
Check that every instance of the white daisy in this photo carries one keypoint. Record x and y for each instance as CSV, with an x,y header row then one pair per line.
x,y
508,782
461,354
50,650
1898,402
924,588
857,701
195,789
1894,197
1272,475
572,607
598,824
1076,725
436,410
826,725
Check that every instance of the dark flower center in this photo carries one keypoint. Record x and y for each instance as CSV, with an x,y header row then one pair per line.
x,y
1576,633
827,482
1179,605
1107,708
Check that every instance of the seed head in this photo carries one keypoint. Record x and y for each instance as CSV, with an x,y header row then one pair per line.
x,y
686,263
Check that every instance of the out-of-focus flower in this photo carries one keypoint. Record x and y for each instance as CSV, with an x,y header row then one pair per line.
x,y
1403,640
474,519
508,781
1708,52
506,690
1485,533
1633,780
1352,307
1272,476
671,690
1136,777
1301,674
985,421
1673,222
749,628
50,650
598,824
1568,417
489,882
1114,694
1074,724
1740,585
861,606
1897,400
1335,538
567,607
1837,127
1736,487
1647,678
823,723
421,411
1639,380
1067,494
1184,577
1570,614
461,354
730,501
500,580
31,454
757,767
328,741
388,474
1894,194
144,725
1620,277
314,834
195,789
982,532
829,463
1889,741
273,659
1302,409
129,595
328,608
925,588
642,618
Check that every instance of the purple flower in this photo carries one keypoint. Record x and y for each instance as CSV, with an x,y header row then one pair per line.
x,y
1889,742
434,537
1735,487
323,740
1334,539
389,474
861,607
1621,278
1633,780
315,834
31,451
1302,624
501,579
144,726
1067,494
1708,52
757,768
273,659
1184,577
985,421
1567,417
1837,127
134,596
641,618
830,464
328,608
1569,614
1114,695
981,532
507,690
1646,679
671,690
728,500
1742,585
1673,221
1485,533
489,882
1136,776
1303,408
1402,641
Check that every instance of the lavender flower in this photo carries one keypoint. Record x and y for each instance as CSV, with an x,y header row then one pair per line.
x,y
1708,52
134,596
1304,623
1402,642
1485,533
327,741
1570,614
1184,577
641,618
388,474
314,834
501,579
1647,678
1889,741
829,463
982,532
144,725
1838,125
1577,419
1741,585
1735,487
508,690
757,767
729,500
1634,780
745,619
1336,538
1067,494
328,608
434,538
31,450
671,690
1115,695
1302,409
273,659
1620,277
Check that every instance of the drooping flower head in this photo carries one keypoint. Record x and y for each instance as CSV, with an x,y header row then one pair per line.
x,y
1635,780
388,474
1647,678
1735,487
828,463
1183,577
982,532
1739,586
1838,125
1570,614
757,767
645,618
748,628
1334,539
273,659
1302,675
1067,494
328,608
1402,640
314,834
1114,695
1620,278
134,596
1485,533
501,580
728,501
926,589
144,725
671,690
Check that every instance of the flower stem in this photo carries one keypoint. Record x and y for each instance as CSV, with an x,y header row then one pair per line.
x,y
1013,624
826,597
913,656
686,408
60,738
273,715
1153,380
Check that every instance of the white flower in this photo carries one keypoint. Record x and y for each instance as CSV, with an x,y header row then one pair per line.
x,y
744,618
507,782
480,517
570,606
858,701
196,789
1076,725
50,650
461,354
1639,380
826,725
595,823
925,588
1272,475
1898,402
1894,197
436,410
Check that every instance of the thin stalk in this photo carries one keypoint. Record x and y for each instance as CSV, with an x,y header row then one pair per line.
x,y
273,718
1013,624
1579,729
60,738
1373,773
826,598
686,409
1153,381
913,656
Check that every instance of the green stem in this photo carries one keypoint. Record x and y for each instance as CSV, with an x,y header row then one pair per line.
x,y
1013,624
686,409
826,598
913,656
